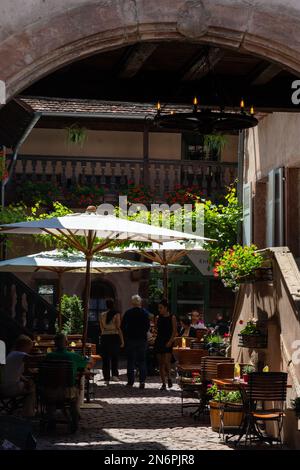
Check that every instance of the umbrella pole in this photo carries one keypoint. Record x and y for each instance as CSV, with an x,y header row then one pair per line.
x,y
86,301
165,282
59,292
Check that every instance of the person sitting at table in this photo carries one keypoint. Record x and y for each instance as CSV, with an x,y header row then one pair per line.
x,y
186,329
14,383
79,363
197,320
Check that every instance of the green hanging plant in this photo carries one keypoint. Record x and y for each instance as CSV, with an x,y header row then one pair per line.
x,y
214,143
76,135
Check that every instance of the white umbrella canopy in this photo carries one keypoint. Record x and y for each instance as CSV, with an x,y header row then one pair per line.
x,y
164,253
99,232
61,262
102,226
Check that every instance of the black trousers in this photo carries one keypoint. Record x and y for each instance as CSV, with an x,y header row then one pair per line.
x,y
110,349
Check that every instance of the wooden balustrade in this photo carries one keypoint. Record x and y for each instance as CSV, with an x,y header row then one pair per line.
x,y
25,305
163,175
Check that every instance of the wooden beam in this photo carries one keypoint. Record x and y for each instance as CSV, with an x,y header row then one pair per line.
x,y
204,64
136,58
266,75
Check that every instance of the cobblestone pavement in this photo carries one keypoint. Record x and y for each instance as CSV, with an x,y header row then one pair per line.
x,y
135,419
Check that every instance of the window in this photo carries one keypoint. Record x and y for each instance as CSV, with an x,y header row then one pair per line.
x,y
190,295
247,214
100,291
47,290
275,208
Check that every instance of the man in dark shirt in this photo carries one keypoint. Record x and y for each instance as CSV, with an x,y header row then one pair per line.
x,y
135,326
221,325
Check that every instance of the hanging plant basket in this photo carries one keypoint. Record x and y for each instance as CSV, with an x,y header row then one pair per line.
x,y
255,341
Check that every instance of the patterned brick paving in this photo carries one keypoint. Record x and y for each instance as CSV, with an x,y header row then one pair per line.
x,y
135,419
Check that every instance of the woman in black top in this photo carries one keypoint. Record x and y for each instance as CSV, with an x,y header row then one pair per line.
x,y
166,326
186,328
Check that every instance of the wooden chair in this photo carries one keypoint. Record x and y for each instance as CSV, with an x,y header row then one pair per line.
x,y
189,360
263,388
210,366
56,391
225,370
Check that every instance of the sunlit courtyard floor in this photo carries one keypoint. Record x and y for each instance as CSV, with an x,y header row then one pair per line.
x,y
130,418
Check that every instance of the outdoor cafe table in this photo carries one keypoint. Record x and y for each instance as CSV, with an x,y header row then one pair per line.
x,y
241,386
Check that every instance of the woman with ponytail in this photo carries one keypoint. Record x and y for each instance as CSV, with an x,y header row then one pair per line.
x,y
111,341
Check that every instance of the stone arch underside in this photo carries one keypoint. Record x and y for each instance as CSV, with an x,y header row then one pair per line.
x,y
44,40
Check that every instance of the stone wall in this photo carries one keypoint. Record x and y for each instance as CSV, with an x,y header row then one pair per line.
x,y
276,303
40,36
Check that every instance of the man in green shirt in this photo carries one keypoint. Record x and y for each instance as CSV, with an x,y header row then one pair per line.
x,y
78,362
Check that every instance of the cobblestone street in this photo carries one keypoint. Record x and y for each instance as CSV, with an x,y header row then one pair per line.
x,y
135,419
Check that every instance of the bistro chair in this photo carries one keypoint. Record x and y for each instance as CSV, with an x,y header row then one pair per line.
x,y
211,364
189,361
225,370
263,388
56,391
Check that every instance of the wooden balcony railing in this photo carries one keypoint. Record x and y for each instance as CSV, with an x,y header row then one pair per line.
x,y
25,305
161,175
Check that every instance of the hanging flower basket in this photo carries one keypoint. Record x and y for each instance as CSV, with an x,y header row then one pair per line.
x,y
253,335
255,341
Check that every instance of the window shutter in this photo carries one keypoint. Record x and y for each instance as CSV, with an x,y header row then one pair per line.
x,y
271,209
280,202
247,214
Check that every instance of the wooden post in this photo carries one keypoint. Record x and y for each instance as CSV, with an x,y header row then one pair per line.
x,y
146,175
86,300
59,295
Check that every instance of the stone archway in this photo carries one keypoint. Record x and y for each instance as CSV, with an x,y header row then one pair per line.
x,y
41,38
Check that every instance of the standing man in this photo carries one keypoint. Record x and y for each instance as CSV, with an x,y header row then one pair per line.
x,y
135,326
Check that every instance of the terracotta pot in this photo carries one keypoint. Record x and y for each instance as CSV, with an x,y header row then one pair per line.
x,y
245,378
231,418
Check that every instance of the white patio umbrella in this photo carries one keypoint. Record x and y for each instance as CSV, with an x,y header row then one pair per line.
x,y
164,253
60,262
91,227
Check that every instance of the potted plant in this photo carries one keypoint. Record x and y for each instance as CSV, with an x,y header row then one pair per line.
x,y
296,406
72,314
76,135
248,369
252,336
214,343
218,398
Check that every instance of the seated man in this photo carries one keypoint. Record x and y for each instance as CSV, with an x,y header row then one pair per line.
x,y
78,363
13,383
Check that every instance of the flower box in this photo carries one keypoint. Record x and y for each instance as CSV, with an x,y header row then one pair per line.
x,y
259,274
255,341
232,418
